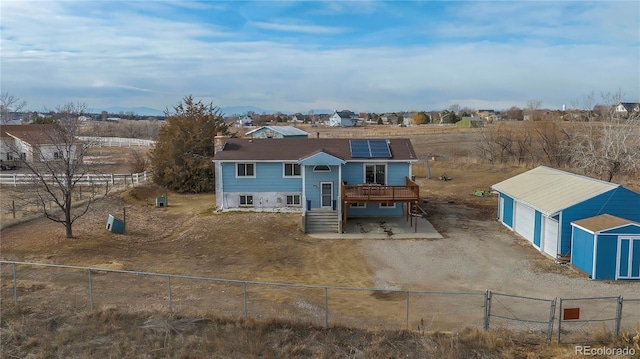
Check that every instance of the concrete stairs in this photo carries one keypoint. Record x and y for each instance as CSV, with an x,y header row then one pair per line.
x,y
322,221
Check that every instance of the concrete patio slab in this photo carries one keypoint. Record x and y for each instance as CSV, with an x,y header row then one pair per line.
x,y
383,228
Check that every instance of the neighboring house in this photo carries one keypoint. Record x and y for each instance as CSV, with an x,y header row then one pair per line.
x,y
470,122
343,119
277,132
30,142
246,120
334,178
606,247
627,108
542,203
297,118
389,118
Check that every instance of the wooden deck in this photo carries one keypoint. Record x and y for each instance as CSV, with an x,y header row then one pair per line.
x,y
379,193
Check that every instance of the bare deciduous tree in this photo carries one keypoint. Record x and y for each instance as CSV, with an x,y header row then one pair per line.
x,y
532,109
54,155
608,146
8,104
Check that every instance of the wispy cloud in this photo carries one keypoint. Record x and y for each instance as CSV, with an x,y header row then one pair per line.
x,y
393,56
306,29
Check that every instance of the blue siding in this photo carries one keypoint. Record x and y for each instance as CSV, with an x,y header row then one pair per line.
x,y
507,210
373,209
606,257
353,173
269,178
312,184
619,202
537,229
630,229
582,256
397,172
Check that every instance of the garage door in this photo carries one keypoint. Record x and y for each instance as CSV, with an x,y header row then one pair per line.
x,y
550,240
525,219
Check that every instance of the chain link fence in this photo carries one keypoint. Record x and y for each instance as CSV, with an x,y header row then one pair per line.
x,y
522,318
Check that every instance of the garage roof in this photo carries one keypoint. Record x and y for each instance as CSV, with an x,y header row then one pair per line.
x,y
551,190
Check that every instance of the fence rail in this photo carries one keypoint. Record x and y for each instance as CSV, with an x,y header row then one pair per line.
x,y
16,179
317,304
118,141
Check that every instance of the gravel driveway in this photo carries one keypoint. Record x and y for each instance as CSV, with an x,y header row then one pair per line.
x,y
478,253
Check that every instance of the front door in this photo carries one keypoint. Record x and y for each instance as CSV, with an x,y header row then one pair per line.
x,y
326,194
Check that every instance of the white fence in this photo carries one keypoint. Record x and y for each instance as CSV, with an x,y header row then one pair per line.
x,y
16,179
118,141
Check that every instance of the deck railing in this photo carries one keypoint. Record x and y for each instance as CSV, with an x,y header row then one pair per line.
x,y
377,193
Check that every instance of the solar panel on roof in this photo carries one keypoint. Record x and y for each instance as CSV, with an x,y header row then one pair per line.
x,y
369,149
379,149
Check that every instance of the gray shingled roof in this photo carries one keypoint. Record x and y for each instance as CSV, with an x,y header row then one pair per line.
x,y
296,148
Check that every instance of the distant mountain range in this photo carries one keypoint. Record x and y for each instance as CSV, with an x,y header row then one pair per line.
x,y
226,111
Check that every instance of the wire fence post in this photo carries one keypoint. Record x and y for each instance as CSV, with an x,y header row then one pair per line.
x,y
487,308
560,321
244,299
618,315
407,316
169,289
551,320
90,290
15,285
326,307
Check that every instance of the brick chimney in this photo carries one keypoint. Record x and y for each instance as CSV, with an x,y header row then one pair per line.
x,y
219,142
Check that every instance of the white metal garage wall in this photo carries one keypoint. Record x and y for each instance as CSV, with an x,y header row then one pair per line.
x,y
525,220
550,237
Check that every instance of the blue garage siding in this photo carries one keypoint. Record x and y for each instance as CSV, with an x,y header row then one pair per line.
x,y
619,202
537,229
624,230
582,256
507,217
606,255
268,179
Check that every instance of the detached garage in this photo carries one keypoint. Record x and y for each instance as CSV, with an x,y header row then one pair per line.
x,y
541,204
606,247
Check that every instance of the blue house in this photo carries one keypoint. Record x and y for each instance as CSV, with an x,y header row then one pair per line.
x,y
327,180
541,204
606,247
277,132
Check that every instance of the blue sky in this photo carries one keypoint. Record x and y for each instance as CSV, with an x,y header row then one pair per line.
x,y
302,55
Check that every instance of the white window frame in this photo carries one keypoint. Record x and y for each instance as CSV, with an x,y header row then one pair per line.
x,y
293,175
293,200
315,168
364,173
238,164
358,205
58,155
387,205
247,198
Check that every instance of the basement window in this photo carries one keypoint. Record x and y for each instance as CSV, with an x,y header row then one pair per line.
x,y
387,205
246,201
293,200
358,205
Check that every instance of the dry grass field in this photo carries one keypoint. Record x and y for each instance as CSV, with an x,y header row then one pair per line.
x,y
188,237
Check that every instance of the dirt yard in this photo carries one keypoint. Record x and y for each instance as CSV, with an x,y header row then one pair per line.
x,y
189,238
